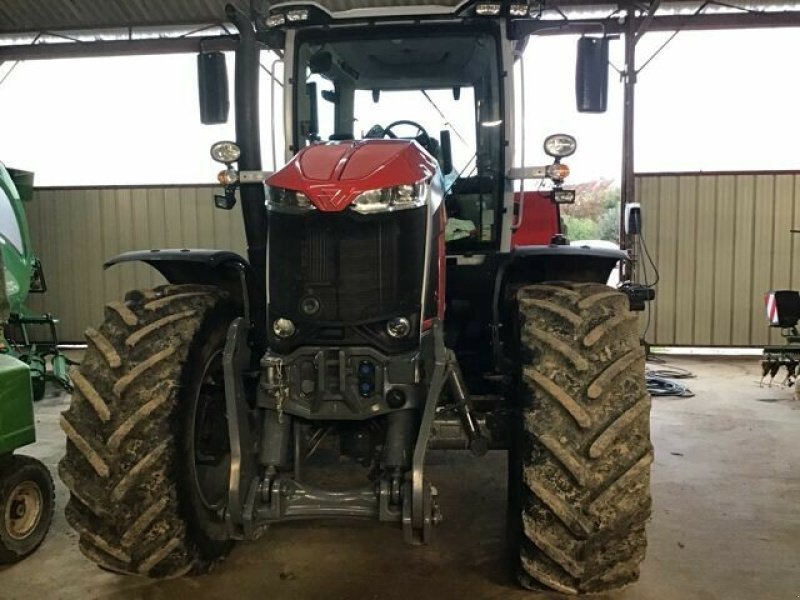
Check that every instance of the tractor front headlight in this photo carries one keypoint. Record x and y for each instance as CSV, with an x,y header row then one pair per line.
x,y
291,201
283,328
399,197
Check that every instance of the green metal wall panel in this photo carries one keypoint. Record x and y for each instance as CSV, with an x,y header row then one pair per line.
x,y
75,230
720,240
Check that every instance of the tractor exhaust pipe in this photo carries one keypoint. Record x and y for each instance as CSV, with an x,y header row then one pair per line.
x,y
248,138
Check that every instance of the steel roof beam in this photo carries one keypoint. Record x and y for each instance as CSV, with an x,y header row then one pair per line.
x,y
702,22
178,45
185,45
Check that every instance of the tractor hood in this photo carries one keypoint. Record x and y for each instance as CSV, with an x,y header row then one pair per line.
x,y
333,174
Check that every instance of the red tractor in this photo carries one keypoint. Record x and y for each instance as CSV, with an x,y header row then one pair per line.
x,y
384,310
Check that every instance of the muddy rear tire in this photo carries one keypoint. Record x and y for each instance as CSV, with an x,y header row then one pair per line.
x,y
583,497
132,429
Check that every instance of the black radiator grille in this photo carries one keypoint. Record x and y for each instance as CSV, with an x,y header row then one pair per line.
x,y
359,268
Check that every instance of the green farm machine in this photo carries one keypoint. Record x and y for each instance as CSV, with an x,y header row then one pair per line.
x,y
26,487
23,275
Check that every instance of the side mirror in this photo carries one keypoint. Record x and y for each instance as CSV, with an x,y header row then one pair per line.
x,y
447,151
212,83
591,75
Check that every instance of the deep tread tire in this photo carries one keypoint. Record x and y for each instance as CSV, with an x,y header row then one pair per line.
x,y
16,470
585,452
125,428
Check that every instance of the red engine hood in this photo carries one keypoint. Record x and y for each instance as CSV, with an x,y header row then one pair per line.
x,y
333,174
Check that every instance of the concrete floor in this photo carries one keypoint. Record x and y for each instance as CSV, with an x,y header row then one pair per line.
x,y
726,520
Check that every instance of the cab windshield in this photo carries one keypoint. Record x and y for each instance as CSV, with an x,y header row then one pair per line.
x,y
421,83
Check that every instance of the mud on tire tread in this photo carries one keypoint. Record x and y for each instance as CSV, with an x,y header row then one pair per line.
x,y
585,441
121,462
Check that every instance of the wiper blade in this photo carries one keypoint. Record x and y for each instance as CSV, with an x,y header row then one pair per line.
x,y
444,118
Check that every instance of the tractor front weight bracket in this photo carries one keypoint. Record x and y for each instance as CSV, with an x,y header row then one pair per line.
x,y
260,494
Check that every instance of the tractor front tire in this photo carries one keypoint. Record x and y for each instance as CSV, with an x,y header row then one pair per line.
x,y
27,498
583,446
147,413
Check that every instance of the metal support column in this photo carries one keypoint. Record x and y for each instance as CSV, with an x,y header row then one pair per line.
x,y
628,180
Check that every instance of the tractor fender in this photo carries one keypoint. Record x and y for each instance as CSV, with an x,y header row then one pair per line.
x,y
221,268
528,265
533,264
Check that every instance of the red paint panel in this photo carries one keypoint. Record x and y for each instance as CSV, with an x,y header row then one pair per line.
x,y
321,164
539,220
333,174
362,164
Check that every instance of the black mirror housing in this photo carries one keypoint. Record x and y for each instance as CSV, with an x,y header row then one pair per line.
x,y
447,151
212,83
591,75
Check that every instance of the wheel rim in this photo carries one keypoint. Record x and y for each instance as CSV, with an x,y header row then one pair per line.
x,y
210,445
23,510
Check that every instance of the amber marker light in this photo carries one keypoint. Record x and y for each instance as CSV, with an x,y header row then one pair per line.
x,y
558,171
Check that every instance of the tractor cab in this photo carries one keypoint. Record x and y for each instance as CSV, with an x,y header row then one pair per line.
x,y
434,84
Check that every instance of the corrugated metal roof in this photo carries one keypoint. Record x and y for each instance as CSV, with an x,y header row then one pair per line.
x,y
25,16
34,16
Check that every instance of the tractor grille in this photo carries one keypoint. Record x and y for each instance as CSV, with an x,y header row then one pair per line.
x,y
359,268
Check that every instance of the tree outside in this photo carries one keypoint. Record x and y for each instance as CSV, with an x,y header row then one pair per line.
x,y
595,214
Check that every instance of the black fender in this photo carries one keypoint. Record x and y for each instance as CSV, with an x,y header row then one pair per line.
x,y
222,268
532,264
536,264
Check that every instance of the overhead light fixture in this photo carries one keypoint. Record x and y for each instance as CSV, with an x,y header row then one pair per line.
x,y
276,20
487,10
518,10
295,16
